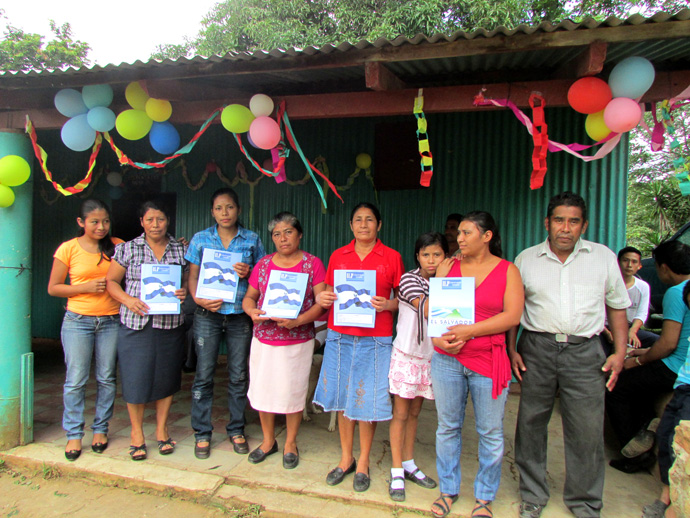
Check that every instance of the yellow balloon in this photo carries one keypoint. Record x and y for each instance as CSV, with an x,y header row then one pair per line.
x,y
363,161
236,118
596,127
14,170
159,110
6,196
133,124
136,96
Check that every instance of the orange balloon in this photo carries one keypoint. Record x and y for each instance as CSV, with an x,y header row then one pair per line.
x,y
589,95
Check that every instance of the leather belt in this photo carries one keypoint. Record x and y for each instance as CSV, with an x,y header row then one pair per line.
x,y
562,338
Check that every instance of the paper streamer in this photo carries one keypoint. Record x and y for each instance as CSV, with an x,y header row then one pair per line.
x,y
427,161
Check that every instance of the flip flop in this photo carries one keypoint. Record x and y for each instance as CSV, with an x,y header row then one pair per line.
x,y
134,449
166,447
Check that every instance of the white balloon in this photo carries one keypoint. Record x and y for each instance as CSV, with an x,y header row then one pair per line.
x,y
114,179
261,105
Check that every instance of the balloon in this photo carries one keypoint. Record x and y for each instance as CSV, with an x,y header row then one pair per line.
x,y
14,170
264,132
101,118
97,95
136,96
261,105
363,161
70,103
164,138
589,95
268,164
115,193
622,114
6,196
251,142
631,78
114,178
236,118
77,134
133,124
158,109
596,127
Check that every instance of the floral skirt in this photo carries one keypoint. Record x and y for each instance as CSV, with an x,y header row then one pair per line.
x,y
409,376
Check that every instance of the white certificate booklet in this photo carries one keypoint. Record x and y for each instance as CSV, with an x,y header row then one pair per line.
x,y
354,288
451,302
158,285
284,294
217,277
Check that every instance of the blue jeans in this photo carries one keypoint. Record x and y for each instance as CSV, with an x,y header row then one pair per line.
x,y
209,329
452,381
84,337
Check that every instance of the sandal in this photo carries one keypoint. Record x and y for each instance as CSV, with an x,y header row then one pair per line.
x,y
442,504
166,447
481,510
134,449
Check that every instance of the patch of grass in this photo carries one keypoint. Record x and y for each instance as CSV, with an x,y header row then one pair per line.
x,y
249,511
50,472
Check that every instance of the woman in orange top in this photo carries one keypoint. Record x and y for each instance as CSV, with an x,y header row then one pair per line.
x,y
90,326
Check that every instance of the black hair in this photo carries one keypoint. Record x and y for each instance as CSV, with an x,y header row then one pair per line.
x,y
629,250
686,294
225,191
366,205
285,217
569,199
430,239
675,255
486,222
454,217
106,247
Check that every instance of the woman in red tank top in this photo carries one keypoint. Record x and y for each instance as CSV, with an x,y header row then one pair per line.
x,y
472,359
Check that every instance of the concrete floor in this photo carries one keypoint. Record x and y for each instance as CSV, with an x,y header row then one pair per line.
x,y
229,477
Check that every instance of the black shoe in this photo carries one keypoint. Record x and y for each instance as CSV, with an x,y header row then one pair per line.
x,y
426,482
336,476
397,495
361,482
99,447
260,455
640,463
290,460
72,455
202,452
240,447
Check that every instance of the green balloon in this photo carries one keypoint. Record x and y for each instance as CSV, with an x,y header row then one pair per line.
x,y
133,124
6,196
236,118
14,170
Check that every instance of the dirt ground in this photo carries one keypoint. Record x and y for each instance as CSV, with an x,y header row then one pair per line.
x,y
48,493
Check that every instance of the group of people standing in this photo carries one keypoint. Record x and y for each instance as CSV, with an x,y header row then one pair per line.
x,y
559,291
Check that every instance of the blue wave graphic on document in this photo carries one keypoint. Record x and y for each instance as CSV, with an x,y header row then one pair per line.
x,y
214,273
279,293
353,297
154,287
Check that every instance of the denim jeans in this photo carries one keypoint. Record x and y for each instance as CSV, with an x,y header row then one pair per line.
x,y
452,381
84,337
209,329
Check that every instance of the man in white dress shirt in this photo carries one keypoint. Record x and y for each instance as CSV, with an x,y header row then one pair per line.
x,y
570,284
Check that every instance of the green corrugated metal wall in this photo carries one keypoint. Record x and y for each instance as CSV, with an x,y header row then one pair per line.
x,y
482,160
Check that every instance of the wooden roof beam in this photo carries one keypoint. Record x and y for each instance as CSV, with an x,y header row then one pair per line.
x,y
379,78
589,63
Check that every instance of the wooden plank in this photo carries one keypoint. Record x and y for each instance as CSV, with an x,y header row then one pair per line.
x,y
379,78
589,63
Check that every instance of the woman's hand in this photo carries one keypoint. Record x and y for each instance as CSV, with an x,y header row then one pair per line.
x,y
380,303
287,323
325,299
137,306
451,347
445,266
181,294
94,286
242,270
210,305
459,332
255,315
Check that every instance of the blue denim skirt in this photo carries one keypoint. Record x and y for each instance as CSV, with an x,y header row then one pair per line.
x,y
354,377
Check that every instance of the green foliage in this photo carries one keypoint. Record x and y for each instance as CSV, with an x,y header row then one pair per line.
x,y
25,51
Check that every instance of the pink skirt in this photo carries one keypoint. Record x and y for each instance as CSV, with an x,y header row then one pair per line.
x,y
409,376
279,376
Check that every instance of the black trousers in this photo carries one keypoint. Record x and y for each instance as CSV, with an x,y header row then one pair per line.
x,y
677,410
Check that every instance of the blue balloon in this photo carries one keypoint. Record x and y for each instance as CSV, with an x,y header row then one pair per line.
x,y
115,193
77,134
97,95
164,138
631,78
101,118
70,103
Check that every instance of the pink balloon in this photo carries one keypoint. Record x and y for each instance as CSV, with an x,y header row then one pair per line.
x,y
265,132
622,114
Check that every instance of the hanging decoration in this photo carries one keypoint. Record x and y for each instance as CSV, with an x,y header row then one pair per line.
x,y
427,162
540,139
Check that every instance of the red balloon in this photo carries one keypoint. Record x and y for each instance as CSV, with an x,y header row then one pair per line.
x,y
589,95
